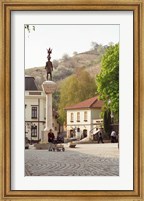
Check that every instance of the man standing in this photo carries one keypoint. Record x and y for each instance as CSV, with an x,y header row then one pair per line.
x,y
50,140
113,136
100,138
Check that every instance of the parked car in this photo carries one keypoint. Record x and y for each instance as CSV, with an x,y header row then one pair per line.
x,y
26,143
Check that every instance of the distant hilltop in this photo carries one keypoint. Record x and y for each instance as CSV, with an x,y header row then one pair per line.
x,y
66,66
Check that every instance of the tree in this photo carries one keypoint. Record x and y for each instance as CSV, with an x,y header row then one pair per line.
x,y
100,49
65,57
74,89
55,63
75,53
107,122
56,97
108,79
94,45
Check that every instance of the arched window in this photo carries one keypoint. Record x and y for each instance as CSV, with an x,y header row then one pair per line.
x,y
85,133
34,112
78,129
72,133
34,131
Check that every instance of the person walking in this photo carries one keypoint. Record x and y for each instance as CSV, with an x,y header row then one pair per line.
x,y
100,138
51,138
113,136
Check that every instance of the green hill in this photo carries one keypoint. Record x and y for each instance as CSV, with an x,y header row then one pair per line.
x,y
90,61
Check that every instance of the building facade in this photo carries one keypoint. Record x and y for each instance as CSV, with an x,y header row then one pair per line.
x,y
83,119
35,111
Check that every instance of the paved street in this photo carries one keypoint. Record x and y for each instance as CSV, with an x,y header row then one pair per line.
x,y
84,160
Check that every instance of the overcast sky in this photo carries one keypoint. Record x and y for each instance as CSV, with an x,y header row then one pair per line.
x,y
65,39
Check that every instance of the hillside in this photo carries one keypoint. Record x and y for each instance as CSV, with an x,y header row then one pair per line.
x,y
90,61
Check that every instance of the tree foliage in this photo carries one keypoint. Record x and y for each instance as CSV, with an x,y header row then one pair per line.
x,y
107,121
61,73
55,63
98,48
94,45
108,79
56,97
65,57
74,89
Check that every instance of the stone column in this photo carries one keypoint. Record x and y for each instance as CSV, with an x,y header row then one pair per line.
x,y
48,87
48,112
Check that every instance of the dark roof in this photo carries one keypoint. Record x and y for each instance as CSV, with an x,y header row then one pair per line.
x,y
30,84
89,103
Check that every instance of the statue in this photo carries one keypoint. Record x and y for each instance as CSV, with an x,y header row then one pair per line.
x,y
49,66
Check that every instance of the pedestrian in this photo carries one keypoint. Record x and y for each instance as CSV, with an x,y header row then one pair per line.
x,y
100,138
50,140
113,136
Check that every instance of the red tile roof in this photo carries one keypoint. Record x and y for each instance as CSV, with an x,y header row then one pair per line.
x,y
89,103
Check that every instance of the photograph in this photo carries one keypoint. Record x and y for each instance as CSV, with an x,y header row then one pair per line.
x,y
71,100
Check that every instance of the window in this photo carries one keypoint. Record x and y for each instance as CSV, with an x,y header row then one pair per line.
x,y
34,112
84,133
72,133
78,116
85,116
72,117
34,131
78,129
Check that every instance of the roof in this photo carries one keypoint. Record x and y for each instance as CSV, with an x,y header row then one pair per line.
x,y
89,103
30,84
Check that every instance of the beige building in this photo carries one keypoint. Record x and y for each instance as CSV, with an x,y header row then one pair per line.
x,y
83,119
35,111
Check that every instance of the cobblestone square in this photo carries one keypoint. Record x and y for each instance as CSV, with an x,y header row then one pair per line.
x,y
84,160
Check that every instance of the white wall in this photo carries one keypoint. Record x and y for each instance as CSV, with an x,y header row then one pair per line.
x,y
36,100
96,113
88,125
81,116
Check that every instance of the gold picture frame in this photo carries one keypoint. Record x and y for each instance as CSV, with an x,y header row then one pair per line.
x,y
6,6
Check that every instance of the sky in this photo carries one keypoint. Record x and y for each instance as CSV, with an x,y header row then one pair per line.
x,y
65,39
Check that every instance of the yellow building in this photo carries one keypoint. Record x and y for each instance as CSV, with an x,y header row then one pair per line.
x,y
83,119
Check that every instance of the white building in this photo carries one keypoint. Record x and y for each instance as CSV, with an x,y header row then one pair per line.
x,y
83,119
35,111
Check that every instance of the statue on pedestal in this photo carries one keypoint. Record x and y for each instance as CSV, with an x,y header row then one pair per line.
x,y
49,66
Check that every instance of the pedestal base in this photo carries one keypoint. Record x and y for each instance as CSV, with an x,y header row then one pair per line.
x,y
44,137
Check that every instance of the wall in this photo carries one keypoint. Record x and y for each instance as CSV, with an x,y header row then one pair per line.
x,y
40,102
81,124
89,125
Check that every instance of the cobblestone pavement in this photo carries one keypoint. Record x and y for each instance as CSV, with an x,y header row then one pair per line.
x,y
84,160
